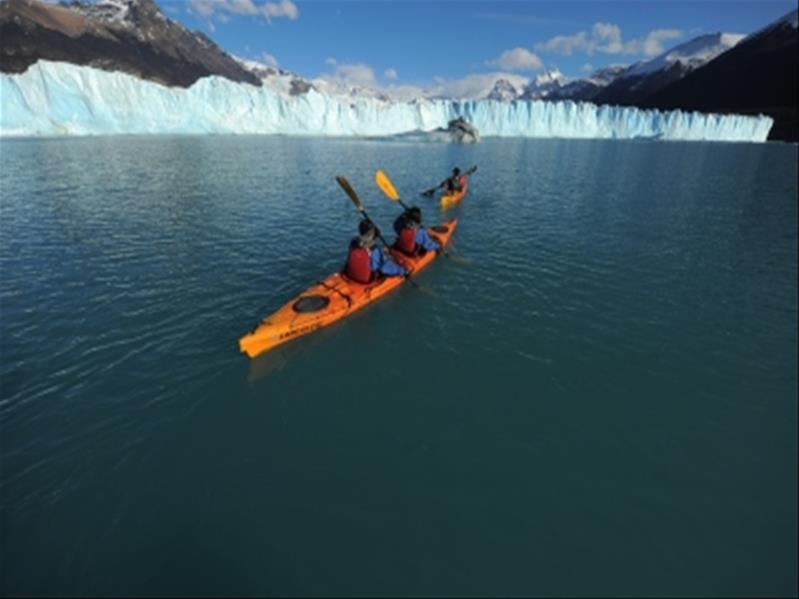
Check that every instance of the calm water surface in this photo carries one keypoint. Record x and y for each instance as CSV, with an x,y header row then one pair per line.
x,y
602,402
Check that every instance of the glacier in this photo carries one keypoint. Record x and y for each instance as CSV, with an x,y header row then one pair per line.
x,y
55,98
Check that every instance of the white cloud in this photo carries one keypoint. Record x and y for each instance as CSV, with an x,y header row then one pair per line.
x,y
243,7
564,44
352,74
606,38
269,60
362,75
474,86
285,8
517,59
653,42
204,8
223,8
587,68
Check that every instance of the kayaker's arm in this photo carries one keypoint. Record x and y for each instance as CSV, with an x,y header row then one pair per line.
x,y
424,240
386,267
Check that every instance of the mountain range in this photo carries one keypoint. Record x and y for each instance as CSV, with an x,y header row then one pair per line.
x,y
718,72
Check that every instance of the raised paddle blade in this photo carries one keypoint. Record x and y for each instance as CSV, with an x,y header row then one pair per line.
x,y
472,170
384,183
345,185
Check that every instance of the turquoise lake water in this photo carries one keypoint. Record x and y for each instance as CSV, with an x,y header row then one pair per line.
x,y
603,401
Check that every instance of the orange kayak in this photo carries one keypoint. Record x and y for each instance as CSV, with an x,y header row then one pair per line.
x,y
332,299
451,199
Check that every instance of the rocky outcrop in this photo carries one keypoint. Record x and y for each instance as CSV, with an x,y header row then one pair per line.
x,y
462,131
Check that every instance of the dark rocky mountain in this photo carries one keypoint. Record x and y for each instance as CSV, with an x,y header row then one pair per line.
x,y
584,90
645,78
116,35
758,76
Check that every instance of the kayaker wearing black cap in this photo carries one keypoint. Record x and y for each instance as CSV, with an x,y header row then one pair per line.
x,y
412,238
365,259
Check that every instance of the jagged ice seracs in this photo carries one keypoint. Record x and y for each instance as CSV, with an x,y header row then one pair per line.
x,y
53,98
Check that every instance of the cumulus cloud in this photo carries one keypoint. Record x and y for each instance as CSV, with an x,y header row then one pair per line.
x,y
565,44
475,85
223,8
351,74
587,68
363,75
269,60
204,8
652,44
606,38
517,59
285,8
242,7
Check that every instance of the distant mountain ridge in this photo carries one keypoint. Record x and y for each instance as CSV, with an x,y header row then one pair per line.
x,y
132,36
642,79
543,85
758,75
709,73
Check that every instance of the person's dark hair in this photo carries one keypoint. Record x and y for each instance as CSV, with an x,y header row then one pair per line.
x,y
365,226
456,171
415,214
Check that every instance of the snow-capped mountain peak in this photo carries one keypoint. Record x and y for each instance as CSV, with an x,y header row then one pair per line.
x,y
503,91
604,76
691,54
544,84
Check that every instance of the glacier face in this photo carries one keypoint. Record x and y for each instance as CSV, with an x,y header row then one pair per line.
x,y
52,98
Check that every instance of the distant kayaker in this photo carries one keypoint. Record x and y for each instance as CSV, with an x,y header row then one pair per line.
x,y
455,182
366,260
452,184
412,238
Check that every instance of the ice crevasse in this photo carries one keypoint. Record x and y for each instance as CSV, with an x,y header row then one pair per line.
x,y
53,98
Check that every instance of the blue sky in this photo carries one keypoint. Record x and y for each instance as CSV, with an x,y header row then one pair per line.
x,y
421,44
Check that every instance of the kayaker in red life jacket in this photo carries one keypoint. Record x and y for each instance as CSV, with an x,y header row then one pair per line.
x,y
412,238
366,260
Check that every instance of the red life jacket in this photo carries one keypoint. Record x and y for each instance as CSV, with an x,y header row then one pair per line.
x,y
462,182
358,265
406,241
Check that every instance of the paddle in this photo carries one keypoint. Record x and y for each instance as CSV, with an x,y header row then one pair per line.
x,y
429,192
387,187
345,185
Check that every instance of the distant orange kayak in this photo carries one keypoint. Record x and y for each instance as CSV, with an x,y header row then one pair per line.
x,y
451,199
332,299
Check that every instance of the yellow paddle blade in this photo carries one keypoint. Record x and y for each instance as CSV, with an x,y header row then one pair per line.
x,y
384,183
345,185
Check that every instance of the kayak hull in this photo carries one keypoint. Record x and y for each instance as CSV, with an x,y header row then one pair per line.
x,y
332,299
453,199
